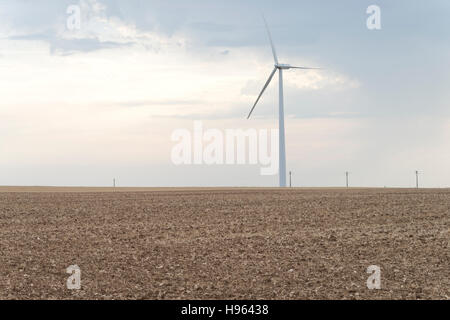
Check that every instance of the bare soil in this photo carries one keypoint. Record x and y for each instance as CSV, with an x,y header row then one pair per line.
x,y
224,243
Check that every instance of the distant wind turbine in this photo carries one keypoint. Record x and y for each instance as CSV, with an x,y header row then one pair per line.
x,y
278,67
417,179
346,178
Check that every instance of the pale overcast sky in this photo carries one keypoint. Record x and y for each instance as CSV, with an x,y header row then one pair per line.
x,y
79,107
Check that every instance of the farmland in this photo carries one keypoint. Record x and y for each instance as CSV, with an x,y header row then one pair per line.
x,y
224,243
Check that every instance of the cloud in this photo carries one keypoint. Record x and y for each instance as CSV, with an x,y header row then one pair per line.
x,y
168,102
97,31
321,79
310,80
69,46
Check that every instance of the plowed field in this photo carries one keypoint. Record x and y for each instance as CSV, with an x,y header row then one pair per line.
x,y
224,243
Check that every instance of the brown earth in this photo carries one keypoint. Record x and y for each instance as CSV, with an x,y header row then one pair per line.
x,y
224,243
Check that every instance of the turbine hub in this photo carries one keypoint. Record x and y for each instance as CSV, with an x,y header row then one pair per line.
x,y
283,66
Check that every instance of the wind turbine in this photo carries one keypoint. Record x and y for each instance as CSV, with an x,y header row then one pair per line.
x,y
278,67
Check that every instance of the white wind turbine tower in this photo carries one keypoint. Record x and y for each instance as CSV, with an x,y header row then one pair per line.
x,y
278,67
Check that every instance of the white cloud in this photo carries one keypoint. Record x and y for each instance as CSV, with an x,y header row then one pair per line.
x,y
321,79
96,24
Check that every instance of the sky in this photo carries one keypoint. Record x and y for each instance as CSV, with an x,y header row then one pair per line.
x,y
81,106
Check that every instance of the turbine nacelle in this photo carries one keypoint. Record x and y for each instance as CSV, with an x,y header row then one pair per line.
x,y
283,66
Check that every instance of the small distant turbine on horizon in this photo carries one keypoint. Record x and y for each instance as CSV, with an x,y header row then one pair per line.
x,y
417,179
278,67
346,177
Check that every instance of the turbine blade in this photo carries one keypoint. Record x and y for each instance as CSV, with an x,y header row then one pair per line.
x,y
262,91
304,68
275,58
